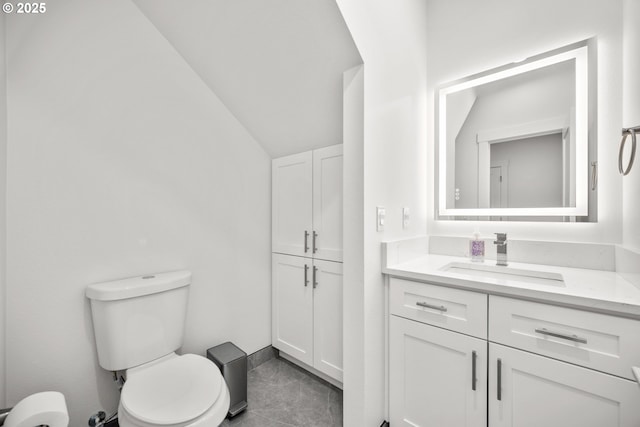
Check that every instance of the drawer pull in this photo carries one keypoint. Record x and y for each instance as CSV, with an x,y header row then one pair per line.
x,y
441,308
499,382
573,338
474,356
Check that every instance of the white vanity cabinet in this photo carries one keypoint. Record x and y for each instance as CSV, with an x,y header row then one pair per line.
x,y
307,311
528,390
536,364
307,204
437,377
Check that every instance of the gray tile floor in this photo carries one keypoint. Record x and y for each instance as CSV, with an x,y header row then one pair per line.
x,y
281,394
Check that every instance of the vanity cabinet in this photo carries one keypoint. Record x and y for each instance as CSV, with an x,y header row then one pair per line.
x,y
307,204
528,390
536,364
307,311
437,377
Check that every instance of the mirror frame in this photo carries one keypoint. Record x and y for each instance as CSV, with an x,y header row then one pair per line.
x,y
578,52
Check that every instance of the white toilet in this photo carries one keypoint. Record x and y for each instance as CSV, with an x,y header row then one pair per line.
x,y
139,324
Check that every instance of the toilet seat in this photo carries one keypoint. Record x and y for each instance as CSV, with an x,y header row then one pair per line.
x,y
174,390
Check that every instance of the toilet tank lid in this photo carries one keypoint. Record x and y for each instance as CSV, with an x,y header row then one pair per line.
x,y
138,286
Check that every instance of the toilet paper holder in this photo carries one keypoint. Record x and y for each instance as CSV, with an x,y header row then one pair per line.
x,y
39,409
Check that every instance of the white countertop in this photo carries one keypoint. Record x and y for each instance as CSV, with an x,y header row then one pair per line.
x,y
596,290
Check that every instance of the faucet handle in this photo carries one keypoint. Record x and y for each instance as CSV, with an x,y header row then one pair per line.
x,y
502,238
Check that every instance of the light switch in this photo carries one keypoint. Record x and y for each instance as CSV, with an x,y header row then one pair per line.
x,y
405,217
381,214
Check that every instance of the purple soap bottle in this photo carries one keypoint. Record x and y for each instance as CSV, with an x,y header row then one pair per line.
x,y
476,248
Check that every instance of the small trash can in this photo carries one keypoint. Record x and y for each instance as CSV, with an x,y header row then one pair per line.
x,y
232,362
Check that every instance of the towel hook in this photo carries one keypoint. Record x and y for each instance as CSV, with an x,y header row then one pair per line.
x,y
625,133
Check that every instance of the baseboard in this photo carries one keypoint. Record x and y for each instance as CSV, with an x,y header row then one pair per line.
x,y
261,356
324,377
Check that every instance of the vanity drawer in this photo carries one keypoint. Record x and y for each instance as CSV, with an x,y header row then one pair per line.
x,y
454,309
597,341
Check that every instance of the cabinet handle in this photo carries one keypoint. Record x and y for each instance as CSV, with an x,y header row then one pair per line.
x,y
306,241
499,379
306,275
313,244
315,283
573,338
474,356
441,308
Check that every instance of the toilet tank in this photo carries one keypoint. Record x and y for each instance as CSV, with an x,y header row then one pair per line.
x,y
139,319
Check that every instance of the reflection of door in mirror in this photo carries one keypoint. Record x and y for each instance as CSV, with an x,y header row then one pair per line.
x,y
535,172
496,187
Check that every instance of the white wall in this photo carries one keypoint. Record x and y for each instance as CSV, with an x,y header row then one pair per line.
x,y
466,37
122,162
3,219
353,241
631,118
391,39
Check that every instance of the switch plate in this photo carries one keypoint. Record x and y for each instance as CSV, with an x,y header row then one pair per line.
x,y
381,214
405,217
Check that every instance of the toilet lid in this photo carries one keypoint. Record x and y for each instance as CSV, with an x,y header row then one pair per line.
x,y
172,391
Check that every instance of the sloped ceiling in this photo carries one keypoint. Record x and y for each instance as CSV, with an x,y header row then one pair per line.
x,y
276,64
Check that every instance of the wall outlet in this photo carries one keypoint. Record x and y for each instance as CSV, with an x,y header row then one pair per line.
x,y
381,215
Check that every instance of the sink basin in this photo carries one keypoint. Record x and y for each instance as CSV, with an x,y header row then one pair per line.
x,y
505,273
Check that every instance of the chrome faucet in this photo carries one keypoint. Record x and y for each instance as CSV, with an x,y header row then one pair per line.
x,y
501,250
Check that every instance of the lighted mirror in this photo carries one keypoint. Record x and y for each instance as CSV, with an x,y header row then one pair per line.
x,y
513,142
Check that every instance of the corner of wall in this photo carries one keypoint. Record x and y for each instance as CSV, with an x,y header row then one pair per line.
x,y
3,222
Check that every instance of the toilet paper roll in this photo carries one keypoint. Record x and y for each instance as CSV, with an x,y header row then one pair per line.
x,y
41,409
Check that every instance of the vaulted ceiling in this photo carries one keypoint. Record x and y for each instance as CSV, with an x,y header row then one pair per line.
x,y
276,64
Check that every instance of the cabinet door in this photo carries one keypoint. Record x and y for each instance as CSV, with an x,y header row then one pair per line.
x,y
327,203
431,376
538,391
327,318
292,204
292,300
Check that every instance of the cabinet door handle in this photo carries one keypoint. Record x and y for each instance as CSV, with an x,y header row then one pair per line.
x,y
499,379
306,275
306,241
573,338
315,282
474,356
441,308
313,244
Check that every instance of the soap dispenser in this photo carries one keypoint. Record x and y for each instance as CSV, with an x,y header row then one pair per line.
x,y
476,248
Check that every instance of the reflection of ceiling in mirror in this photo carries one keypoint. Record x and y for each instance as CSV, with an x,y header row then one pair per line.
x,y
564,71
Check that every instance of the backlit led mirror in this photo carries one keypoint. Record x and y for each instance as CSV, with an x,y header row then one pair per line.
x,y
513,143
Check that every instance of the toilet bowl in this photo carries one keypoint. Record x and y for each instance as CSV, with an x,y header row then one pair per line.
x,y
174,391
139,325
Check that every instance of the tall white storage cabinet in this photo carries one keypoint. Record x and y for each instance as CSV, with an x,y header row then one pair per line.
x,y
307,258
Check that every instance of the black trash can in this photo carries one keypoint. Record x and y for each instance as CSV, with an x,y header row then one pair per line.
x,y
232,362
